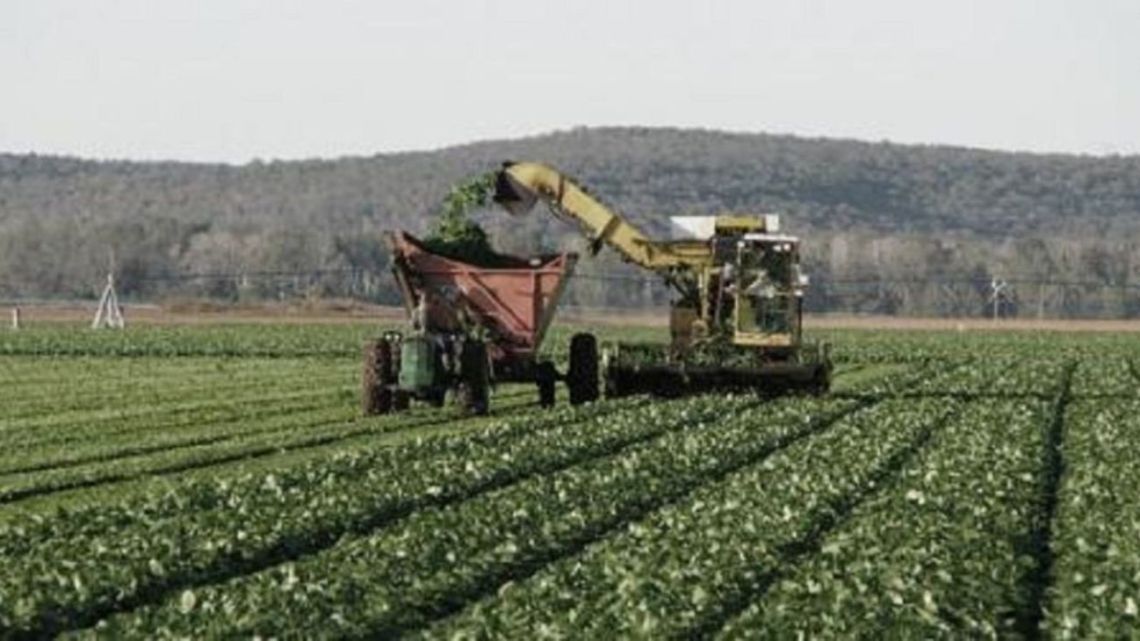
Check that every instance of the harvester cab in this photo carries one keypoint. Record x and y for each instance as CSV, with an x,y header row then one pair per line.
x,y
753,287
770,291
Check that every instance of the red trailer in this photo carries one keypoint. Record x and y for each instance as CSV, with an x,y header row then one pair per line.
x,y
473,325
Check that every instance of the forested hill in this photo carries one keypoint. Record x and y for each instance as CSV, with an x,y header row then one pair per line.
x,y
60,216
820,182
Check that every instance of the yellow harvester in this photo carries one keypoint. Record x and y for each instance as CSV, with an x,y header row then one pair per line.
x,y
737,318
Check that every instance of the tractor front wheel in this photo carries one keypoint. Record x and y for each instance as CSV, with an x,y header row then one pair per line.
x,y
377,378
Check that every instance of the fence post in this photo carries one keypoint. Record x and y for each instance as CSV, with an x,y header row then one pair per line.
x,y
16,317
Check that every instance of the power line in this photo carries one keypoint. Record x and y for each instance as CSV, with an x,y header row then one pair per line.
x,y
979,282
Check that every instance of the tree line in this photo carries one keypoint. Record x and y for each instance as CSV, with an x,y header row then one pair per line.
x,y
888,228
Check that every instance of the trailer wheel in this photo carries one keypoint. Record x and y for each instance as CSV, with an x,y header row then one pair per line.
x,y
474,380
546,377
376,395
583,375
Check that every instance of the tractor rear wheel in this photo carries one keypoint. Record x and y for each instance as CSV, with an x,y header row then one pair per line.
x,y
582,377
376,393
474,385
546,377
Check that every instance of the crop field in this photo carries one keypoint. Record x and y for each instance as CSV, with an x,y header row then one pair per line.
x,y
218,481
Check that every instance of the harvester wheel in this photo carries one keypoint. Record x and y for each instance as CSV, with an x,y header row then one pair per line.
x,y
436,398
376,395
545,377
474,380
822,383
583,375
617,381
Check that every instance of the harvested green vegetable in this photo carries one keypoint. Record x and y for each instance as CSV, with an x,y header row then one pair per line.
x,y
455,235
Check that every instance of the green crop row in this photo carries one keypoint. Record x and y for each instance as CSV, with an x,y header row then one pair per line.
x,y
1109,375
64,568
237,340
231,456
187,419
214,341
405,575
1096,535
872,346
71,568
208,447
107,409
944,553
156,387
656,420
344,341
951,550
92,463
999,376
80,425
954,485
668,575
290,420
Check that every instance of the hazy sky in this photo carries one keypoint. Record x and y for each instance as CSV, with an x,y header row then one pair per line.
x,y
238,79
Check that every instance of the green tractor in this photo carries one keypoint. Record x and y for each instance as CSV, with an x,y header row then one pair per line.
x,y
419,366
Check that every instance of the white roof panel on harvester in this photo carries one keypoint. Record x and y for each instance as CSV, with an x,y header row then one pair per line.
x,y
692,227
